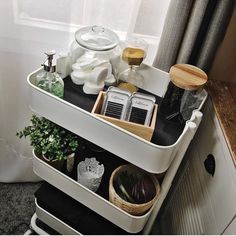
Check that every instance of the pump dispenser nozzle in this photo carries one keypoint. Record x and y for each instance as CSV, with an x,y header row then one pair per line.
x,y
49,67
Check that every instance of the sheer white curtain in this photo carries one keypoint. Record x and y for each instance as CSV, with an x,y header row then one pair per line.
x,y
27,29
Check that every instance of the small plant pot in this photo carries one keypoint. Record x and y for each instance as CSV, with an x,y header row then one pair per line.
x,y
131,208
57,164
70,162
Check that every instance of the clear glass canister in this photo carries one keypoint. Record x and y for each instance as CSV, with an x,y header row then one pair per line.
x,y
184,93
95,42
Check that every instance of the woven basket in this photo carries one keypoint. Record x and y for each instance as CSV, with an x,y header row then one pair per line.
x,y
133,209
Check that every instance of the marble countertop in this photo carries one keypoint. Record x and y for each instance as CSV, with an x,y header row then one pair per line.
x,y
223,96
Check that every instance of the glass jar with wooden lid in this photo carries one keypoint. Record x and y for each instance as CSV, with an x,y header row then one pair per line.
x,y
184,92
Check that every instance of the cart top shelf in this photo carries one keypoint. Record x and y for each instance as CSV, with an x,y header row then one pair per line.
x,y
73,113
165,133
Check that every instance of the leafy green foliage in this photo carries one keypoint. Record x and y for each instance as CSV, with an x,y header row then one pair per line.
x,y
49,139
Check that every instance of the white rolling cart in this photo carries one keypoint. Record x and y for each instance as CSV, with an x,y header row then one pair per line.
x,y
144,154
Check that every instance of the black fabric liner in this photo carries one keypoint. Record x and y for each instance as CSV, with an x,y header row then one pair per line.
x,y
109,160
165,133
74,213
45,227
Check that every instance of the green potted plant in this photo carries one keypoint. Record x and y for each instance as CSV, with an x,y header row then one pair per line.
x,y
51,142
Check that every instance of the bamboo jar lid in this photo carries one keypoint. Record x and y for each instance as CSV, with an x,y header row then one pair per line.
x,y
187,77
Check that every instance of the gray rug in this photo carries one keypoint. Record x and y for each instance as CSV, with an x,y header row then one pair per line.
x,y
16,207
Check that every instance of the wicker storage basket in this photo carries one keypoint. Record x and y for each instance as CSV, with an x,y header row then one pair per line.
x,y
133,209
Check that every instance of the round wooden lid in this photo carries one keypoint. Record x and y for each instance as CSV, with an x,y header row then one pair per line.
x,y
187,77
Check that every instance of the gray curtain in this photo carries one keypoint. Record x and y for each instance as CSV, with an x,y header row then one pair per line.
x,y
192,32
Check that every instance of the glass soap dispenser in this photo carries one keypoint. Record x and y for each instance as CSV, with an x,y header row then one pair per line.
x,y
49,80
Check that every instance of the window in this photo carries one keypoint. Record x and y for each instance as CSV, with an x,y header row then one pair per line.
x,y
144,18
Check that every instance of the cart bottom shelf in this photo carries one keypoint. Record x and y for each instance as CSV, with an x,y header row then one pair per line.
x,y
38,227
74,214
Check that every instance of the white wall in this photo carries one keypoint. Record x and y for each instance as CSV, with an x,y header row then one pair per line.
x,y
21,50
